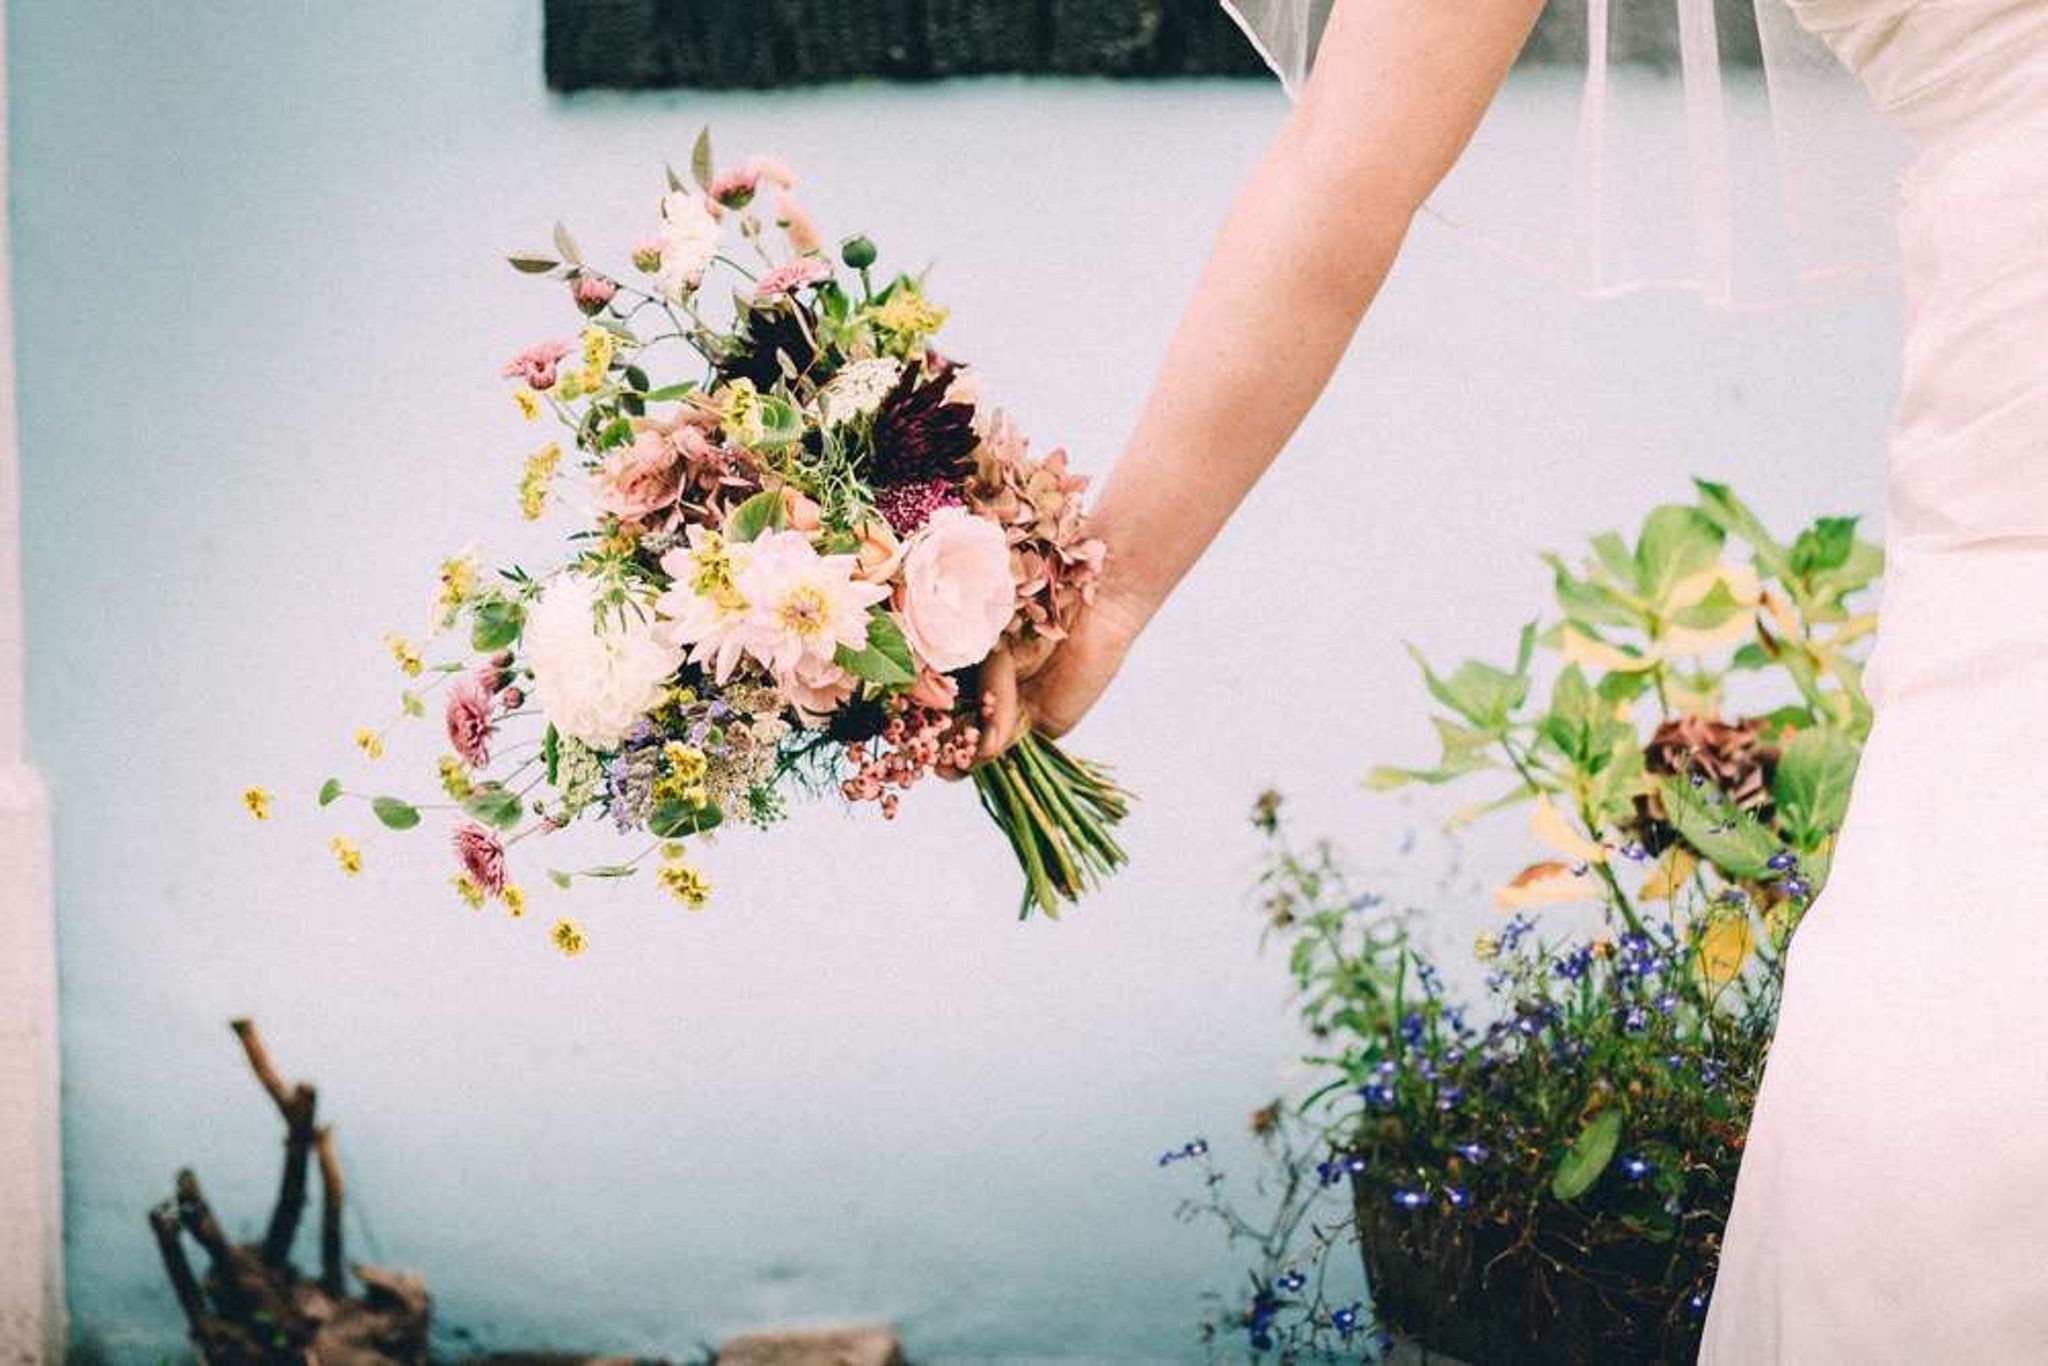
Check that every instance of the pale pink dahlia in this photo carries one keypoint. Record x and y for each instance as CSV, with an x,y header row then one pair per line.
x,y
482,855
469,719
791,276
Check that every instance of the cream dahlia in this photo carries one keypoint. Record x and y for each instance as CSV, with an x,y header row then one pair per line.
x,y
594,677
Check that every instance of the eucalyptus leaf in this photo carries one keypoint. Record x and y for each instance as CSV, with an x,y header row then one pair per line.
x,y
495,806
330,790
700,160
496,624
532,263
566,245
396,813
672,820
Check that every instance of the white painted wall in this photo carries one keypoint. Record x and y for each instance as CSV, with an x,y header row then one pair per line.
x,y
260,307
31,1249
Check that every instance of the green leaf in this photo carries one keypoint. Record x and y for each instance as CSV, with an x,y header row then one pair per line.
x,y
611,870
886,660
566,245
495,806
1584,600
396,814
1734,517
1677,542
1751,655
669,392
672,820
1731,839
758,514
559,878
781,423
1811,784
1480,693
550,751
1711,611
329,790
1588,1156
1823,546
700,160
675,182
532,263
496,624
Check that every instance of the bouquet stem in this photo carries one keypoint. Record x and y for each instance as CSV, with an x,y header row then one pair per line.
x,y
1059,814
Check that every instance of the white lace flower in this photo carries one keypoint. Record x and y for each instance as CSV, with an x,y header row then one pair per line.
x,y
592,679
858,389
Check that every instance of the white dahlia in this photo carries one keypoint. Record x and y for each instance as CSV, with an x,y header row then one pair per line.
x,y
594,678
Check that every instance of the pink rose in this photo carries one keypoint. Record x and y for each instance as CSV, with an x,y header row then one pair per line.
x,y
815,690
958,594
640,479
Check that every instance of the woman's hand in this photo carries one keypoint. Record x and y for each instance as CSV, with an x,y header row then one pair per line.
x,y
1053,700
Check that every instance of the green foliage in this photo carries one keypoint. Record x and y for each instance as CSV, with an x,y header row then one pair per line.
x,y
395,813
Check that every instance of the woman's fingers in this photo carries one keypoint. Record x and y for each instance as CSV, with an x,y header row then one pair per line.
x,y
1002,717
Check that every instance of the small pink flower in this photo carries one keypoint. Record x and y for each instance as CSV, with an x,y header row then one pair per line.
x,y
593,292
791,276
536,364
482,855
637,480
735,189
469,719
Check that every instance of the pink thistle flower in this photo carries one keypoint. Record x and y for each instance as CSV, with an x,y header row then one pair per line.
x,y
536,364
482,855
906,507
791,276
593,292
469,719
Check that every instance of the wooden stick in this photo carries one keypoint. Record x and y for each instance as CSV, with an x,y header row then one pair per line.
x,y
164,1222
332,1277
260,1064
291,1189
197,1217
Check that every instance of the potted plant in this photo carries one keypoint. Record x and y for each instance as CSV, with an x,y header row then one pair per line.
x,y
1545,1175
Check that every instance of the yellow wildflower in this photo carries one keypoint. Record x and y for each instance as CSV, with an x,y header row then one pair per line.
x,y
454,780
469,889
533,482
597,356
409,661
1486,947
567,936
257,799
528,401
514,899
684,781
685,883
739,412
908,313
347,854
369,742
458,582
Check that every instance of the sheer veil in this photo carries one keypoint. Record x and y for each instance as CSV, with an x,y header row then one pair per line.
x,y
1752,183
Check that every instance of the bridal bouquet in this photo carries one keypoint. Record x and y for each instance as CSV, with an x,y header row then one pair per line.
x,y
798,534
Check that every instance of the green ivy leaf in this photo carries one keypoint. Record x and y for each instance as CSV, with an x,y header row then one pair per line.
x,y
496,624
495,806
395,813
1588,1156
886,660
330,790
758,514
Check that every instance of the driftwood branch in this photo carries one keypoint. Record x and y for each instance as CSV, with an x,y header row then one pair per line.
x,y
291,1188
332,1264
164,1223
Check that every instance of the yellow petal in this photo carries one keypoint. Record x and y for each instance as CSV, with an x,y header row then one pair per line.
x,y
1724,948
1675,869
1582,649
1548,824
1547,884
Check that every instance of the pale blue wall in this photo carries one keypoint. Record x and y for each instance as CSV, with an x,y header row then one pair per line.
x,y
260,305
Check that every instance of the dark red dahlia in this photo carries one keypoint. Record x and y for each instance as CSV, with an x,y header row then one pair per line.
x,y
919,436
768,335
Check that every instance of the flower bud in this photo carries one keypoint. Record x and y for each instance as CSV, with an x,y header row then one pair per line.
x,y
513,699
593,293
858,252
647,256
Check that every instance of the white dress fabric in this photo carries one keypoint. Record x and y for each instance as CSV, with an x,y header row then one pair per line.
x,y
1893,1198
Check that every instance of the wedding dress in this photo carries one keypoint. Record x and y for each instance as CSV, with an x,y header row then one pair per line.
x,y
1892,1204
1893,1197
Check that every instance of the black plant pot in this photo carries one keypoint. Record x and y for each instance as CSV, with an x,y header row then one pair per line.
x,y
1446,1286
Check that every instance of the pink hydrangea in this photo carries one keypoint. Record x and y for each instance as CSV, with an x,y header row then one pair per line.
x,y
482,855
469,719
536,364
790,277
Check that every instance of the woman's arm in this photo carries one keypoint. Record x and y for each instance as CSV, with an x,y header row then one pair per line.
x,y
1397,89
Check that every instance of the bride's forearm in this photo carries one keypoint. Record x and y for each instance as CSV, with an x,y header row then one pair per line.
x,y
1398,87
1293,270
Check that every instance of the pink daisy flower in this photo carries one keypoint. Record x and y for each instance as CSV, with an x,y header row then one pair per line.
x,y
790,277
469,719
482,855
536,364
